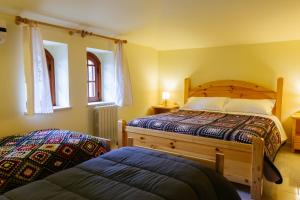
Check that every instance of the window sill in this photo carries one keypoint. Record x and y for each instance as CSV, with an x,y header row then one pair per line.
x,y
55,109
59,108
101,103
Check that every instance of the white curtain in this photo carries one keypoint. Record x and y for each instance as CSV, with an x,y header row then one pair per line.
x,y
123,91
42,93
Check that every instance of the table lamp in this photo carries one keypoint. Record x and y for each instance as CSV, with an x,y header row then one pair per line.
x,y
165,97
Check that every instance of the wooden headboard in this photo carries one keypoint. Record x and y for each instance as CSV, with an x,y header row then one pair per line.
x,y
235,89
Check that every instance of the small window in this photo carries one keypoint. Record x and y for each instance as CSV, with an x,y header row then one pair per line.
x,y
58,69
94,77
51,72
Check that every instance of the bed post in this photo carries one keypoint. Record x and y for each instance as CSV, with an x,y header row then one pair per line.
x,y
187,88
257,168
122,134
108,143
279,92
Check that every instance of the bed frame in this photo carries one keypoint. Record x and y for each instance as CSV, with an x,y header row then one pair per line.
x,y
216,165
243,163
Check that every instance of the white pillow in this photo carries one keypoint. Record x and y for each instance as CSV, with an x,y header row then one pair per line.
x,y
206,103
256,106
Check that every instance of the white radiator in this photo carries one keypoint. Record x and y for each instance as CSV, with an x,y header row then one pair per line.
x,y
106,122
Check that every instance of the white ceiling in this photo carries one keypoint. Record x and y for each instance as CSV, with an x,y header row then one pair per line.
x,y
177,24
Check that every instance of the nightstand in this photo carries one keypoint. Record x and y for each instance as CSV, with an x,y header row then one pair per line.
x,y
163,109
296,131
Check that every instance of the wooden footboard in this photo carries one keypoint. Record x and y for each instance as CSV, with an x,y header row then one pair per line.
x,y
243,163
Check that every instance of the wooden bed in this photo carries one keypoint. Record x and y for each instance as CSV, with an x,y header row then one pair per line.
x,y
243,163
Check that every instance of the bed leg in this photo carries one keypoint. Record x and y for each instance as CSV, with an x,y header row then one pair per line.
x,y
257,168
122,134
130,141
220,163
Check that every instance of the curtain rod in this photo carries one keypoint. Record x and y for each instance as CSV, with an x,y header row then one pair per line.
x,y
83,33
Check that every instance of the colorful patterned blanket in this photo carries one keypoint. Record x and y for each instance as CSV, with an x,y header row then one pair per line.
x,y
239,128
24,159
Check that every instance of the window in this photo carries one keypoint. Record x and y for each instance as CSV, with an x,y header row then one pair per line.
x,y
51,72
107,73
94,77
59,75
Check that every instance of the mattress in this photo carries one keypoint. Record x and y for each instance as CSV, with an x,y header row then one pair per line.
x,y
224,126
130,173
24,159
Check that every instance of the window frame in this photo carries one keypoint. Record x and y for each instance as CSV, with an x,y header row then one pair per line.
x,y
51,73
98,89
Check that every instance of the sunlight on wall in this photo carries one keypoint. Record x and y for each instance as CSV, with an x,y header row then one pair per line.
x,y
169,84
296,90
297,87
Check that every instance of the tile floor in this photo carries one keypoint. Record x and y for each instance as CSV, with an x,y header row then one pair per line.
x,y
289,166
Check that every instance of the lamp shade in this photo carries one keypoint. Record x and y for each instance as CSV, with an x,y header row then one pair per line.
x,y
165,95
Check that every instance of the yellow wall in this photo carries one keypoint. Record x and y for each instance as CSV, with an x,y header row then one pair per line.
x,y
259,63
151,72
78,118
143,68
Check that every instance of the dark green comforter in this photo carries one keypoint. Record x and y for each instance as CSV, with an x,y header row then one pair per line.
x,y
130,173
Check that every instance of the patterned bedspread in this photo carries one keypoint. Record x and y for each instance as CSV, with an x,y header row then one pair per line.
x,y
239,128
24,159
